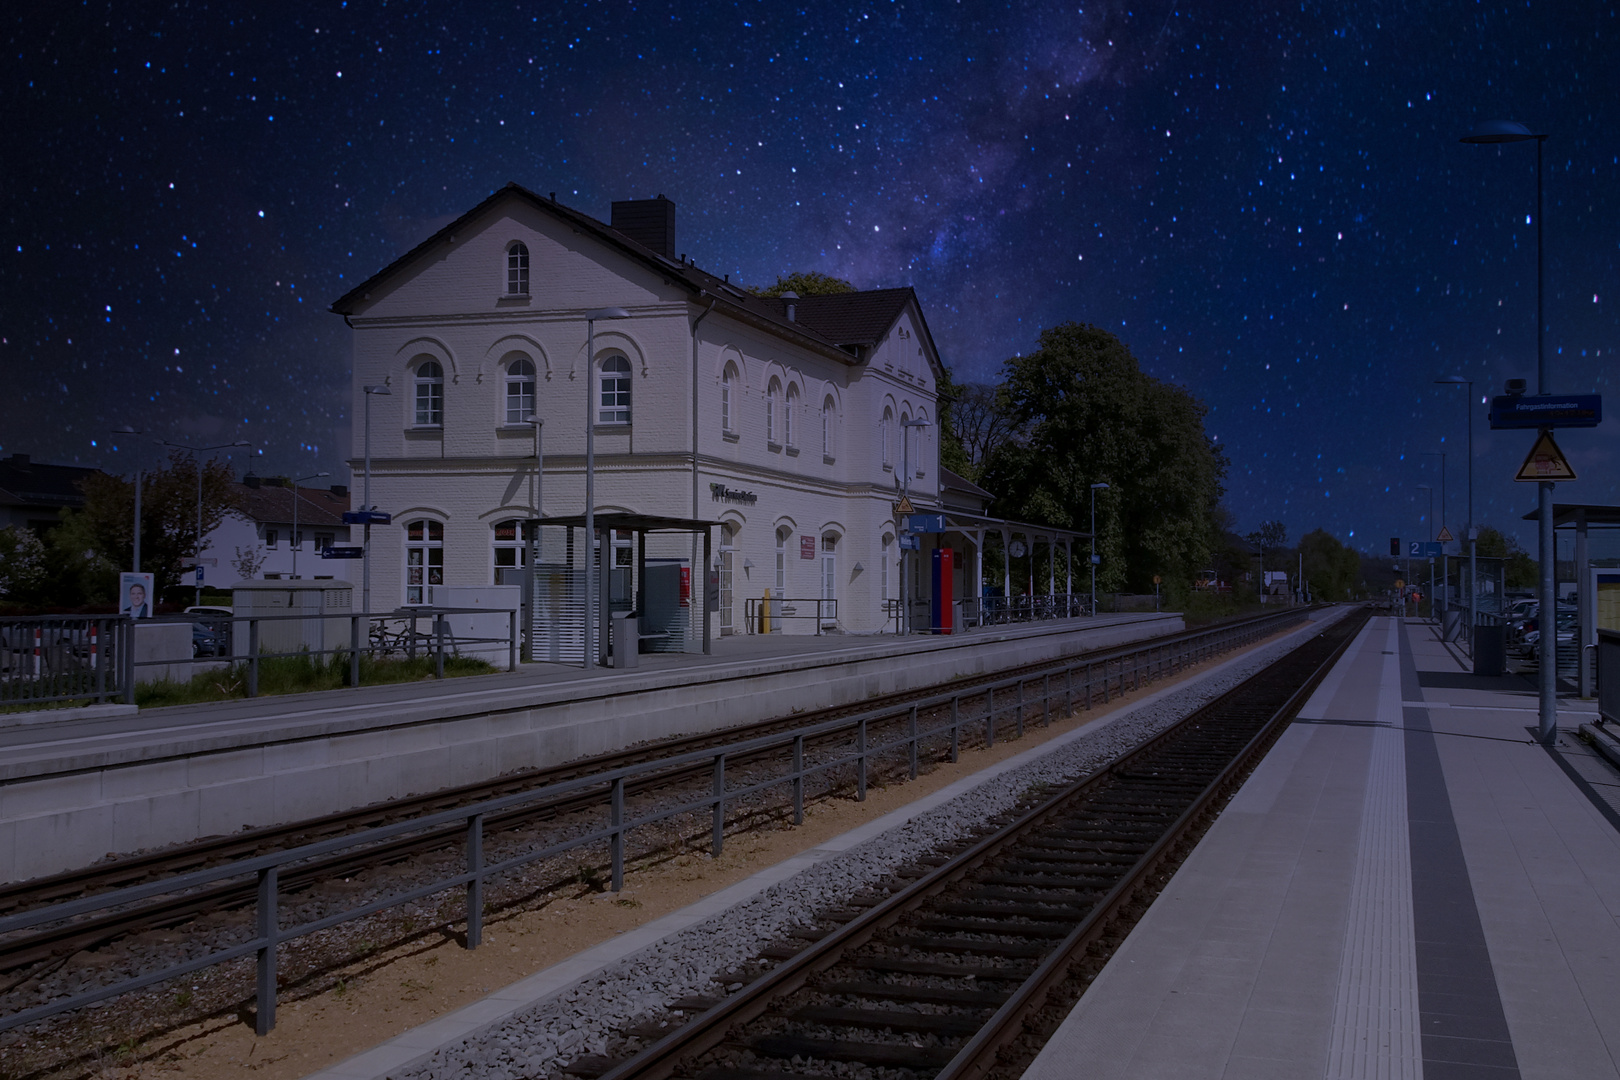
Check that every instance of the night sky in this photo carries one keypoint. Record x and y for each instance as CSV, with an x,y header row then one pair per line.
x,y
1269,205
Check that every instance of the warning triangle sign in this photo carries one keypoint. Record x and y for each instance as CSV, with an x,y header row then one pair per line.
x,y
1445,536
1545,462
904,506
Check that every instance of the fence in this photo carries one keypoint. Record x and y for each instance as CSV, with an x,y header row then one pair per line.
x,y
1007,700
760,611
53,659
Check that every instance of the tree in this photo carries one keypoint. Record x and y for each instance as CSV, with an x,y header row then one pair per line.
x,y
1332,569
1085,413
1520,569
1272,540
975,425
169,502
805,283
22,564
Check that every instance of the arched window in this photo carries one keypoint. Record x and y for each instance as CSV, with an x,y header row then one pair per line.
x,y
919,453
788,410
424,559
517,269
511,538
883,566
429,394
773,413
905,440
827,429
884,430
783,535
615,398
519,391
728,388
829,574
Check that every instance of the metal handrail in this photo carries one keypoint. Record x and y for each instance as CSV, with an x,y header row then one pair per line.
x,y
754,607
1126,667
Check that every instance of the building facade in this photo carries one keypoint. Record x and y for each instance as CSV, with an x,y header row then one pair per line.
x,y
795,423
262,538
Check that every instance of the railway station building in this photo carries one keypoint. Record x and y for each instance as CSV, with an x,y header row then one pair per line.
x,y
798,426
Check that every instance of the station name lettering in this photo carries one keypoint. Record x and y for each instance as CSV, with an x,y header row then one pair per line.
x,y
721,493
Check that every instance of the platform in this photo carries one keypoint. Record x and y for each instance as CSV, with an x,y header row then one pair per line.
x,y
1407,886
73,789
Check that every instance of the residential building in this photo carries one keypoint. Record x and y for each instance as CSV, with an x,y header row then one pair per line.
x,y
34,494
260,540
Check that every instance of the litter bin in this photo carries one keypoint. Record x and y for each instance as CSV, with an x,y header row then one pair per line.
x,y
1490,649
1451,624
626,642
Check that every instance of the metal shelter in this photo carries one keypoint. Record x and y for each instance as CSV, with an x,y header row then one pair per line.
x,y
1591,583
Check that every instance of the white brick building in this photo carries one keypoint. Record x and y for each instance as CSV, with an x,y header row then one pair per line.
x,y
799,408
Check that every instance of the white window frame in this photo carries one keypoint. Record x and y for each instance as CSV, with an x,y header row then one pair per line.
x,y
789,400
884,428
728,405
617,368
883,567
827,429
430,546
773,407
428,382
517,269
783,535
517,545
520,405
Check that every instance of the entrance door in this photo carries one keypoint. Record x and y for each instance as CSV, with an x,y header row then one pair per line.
x,y
728,537
829,578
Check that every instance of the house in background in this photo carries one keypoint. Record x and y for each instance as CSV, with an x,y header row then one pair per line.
x,y
258,540
34,494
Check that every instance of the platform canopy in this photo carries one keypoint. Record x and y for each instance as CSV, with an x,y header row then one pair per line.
x,y
1570,514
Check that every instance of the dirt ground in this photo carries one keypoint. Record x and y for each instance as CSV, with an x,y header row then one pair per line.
x,y
391,992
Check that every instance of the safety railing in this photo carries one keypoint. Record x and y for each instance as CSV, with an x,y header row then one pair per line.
x,y
768,614
52,659
1007,701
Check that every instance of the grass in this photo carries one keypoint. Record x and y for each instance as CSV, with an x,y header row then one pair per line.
x,y
299,675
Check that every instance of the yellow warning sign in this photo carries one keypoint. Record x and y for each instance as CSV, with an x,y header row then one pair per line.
x,y
903,507
1445,536
1545,462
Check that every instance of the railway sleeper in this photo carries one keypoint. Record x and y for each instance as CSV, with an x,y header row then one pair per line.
x,y
932,995
943,1024
971,946
885,1055
1053,929
1053,913
905,966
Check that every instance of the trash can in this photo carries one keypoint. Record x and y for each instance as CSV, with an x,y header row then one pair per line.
x,y
1490,649
626,641
1451,624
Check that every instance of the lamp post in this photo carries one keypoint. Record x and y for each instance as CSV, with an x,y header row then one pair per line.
x,y
539,464
1430,490
1492,133
365,500
297,540
1445,579
905,496
195,451
1094,489
127,430
1468,527
590,467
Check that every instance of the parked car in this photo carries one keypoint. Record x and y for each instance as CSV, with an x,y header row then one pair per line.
x,y
211,633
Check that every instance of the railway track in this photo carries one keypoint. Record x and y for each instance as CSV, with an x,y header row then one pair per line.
x,y
21,951
946,970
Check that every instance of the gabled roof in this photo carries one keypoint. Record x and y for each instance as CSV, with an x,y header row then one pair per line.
x,y
841,325
24,482
950,481
273,505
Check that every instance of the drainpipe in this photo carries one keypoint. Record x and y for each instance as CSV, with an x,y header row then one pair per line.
x,y
700,572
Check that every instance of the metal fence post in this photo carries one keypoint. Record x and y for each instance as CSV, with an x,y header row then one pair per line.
x,y
911,739
265,986
956,725
616,846
798,779
860,761
511,640
439,626
719,803
253,658
475,886
354,651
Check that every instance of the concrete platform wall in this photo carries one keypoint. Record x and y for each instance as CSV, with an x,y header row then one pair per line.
x,y
68,818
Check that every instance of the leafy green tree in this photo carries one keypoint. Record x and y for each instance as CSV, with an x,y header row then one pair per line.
x,y
1520,569
1082,412
805,283
22,564
169,501
1272,540
1332,569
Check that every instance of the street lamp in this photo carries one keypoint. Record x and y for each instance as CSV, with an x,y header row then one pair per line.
x,y
905,496
297,540
1430,490
590,467
1508,131
539,464
365,500
1445,582
195,451
125,429
1468,527
1094,489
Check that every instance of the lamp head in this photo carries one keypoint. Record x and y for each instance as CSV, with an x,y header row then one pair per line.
x,y
1454,380
1516,387
1500,131
607,313
1099,487
383,390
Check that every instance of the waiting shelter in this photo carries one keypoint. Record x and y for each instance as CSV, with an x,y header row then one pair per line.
x,y
1597,580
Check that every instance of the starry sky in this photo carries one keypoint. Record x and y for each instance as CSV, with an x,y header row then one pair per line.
x,y
1270,205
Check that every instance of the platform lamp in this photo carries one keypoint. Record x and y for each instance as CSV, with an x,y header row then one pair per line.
x,y
1473,533
297,540
1430,490
365,501
1445,580
905,496
1486,134
1094,489
196,452
125,429
590,468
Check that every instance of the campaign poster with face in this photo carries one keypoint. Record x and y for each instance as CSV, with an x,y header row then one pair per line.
x,y
135,595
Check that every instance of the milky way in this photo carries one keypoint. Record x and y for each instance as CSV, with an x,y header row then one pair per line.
x,y
1269,206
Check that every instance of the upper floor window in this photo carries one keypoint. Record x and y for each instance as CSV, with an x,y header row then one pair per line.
x,y
827,428
884,430
787,415
519,391
424,558
430,394
615,398
728,388
517,269
773,413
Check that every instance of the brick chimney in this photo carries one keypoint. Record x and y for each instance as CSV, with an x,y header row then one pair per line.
x,y
649,222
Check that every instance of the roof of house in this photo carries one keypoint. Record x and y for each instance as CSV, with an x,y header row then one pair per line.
x,y
273,504
841,324
954,482
24,482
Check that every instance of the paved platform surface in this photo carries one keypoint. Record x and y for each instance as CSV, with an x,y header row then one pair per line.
x,y
1407,886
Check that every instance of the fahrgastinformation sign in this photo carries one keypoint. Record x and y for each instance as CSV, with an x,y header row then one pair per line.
x,y
1546,411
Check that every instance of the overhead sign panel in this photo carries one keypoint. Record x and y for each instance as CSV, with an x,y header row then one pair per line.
x,y
1423,549
1545,462
1547,411
343,553
925,523
367,517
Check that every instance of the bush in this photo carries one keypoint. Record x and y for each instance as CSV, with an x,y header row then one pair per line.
x,y
299,675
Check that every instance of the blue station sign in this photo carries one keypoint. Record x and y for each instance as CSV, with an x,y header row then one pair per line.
x,y
1546,411
343,553
925,523
1424,549
367,517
